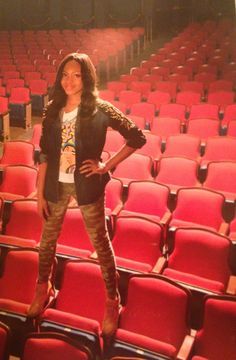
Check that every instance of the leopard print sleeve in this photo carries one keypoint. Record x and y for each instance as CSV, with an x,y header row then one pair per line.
x,y
120,122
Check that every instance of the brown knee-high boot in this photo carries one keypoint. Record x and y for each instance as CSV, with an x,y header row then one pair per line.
x,y
43,292
94,218
111,315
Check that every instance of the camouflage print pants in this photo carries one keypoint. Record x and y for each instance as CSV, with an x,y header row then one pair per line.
x,y
95,223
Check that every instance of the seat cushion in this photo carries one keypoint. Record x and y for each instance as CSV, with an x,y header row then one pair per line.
x,y
141,341
195,280
72,320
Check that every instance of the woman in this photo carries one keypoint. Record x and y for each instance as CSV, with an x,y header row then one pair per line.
x,y
73,136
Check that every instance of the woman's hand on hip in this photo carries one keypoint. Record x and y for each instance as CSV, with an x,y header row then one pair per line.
x,y
90,167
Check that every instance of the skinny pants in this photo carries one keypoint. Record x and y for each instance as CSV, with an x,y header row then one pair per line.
x,y
95,223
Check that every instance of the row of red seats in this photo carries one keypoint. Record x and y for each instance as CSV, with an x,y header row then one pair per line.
x,y
192,52
217,105
154,320
180,165
145,199
145,114
173,85
217,148
41,345
11,79
23,66
109,47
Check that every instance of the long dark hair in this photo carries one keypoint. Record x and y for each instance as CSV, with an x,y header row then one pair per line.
x,y
89,91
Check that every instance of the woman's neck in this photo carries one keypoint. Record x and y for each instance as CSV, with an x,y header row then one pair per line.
x,y
71,104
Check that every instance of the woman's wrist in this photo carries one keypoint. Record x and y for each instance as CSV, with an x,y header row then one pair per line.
x,y
104,167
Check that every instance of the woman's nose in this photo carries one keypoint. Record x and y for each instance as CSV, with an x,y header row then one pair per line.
x,y
69,79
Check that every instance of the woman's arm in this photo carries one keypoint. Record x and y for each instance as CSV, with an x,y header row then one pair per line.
x,y
119,156
90,167
133,135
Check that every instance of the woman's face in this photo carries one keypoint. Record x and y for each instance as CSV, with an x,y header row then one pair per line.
x,y
71,80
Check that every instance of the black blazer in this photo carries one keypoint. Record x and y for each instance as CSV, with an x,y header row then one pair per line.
x,y
88,189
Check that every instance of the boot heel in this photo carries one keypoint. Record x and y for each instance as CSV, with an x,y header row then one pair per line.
x,y
110,321
42,294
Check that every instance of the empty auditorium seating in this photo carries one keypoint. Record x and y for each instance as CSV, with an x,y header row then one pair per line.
x,y
220,177
204,111
152,79
18,181
167,86
139,121
20,107
231,129
11,83
216,338
188,98
137,243
165,126
106,94
196,86
145,110
4,118
219,148
183,145
189,263
79,304
135,167
158,98
147,199
154,320
4,341
221,98
152,148
17,152
127,78
116,87
138,71
229,114
129,97
15,300
177,172
142,87
199,207
17,231
38,94
45,345
203,128
36,135
173,110
219,85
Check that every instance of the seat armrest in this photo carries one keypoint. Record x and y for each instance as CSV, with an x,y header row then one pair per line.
x,y
186,347
166,218
224,228
160,265
231,288
94,255
117,209
32,195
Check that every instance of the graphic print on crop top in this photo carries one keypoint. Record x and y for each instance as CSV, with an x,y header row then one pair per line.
x,y
67,159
